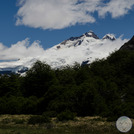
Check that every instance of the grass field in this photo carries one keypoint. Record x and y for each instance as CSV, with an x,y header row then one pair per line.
x,y
18,124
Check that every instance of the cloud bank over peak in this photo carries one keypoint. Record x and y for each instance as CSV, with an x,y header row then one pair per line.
x,y
25,50
21,49
59,14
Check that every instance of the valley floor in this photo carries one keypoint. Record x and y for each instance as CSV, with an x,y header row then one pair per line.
x,y
18,124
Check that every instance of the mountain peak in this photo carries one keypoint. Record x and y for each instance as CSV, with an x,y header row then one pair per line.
x,y
129,45
78,40
109,36
83,49
91,34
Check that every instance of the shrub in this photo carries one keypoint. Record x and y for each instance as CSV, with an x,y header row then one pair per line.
x,y
38,119
50,113
18,121
112,118
6,121
66,115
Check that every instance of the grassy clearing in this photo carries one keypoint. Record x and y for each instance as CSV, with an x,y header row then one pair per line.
x,y
18,124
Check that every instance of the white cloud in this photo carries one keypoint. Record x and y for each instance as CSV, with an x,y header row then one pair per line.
x,y
58,14
116,8
55,14
2,47
21,49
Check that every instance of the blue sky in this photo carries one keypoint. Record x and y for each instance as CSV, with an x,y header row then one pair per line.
x,y
49,23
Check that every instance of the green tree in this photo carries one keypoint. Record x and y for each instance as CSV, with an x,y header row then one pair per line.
x,y
38,80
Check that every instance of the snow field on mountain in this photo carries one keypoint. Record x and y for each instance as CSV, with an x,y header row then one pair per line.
x,y
84,48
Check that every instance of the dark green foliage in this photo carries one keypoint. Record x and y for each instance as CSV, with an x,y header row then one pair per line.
x,y
38,119
66,115
18,121
50,114
38,79
105,88
10,85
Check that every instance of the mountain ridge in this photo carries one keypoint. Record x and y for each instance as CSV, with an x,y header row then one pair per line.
x,y
128,45
87,47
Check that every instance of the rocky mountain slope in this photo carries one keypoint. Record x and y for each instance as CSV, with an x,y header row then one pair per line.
x,y
128,45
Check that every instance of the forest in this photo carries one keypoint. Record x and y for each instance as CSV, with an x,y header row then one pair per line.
x,y
104,88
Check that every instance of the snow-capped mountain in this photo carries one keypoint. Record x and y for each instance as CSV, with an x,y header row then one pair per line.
x,y
85,48
110,37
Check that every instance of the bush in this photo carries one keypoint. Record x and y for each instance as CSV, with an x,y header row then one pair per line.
x,y
66,115
38,119
18,121
50,113
6,121
112,118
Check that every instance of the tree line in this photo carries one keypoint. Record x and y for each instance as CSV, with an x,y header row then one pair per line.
x,y
104,88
